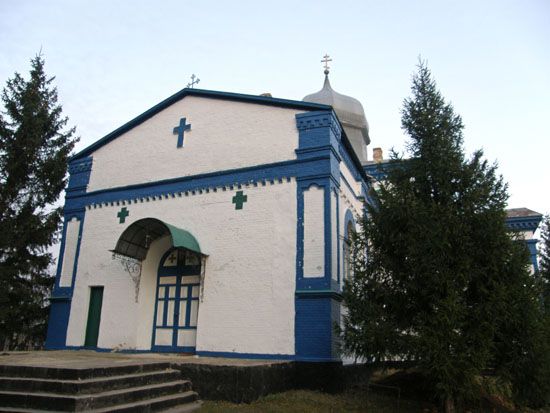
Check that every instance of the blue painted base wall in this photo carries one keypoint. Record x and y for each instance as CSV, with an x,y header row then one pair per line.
x,y
57,326
314,328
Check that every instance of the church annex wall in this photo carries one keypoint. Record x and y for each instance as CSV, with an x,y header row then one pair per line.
x,y
223,135
248,298
349,205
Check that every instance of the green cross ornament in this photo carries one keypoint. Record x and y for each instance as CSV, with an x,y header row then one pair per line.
x,y
239,199
122,214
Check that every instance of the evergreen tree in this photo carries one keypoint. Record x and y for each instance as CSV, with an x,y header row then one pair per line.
x,y
441,267
545,262
34,149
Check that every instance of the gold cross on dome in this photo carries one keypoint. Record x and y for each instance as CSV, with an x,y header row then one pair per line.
x,y
326,59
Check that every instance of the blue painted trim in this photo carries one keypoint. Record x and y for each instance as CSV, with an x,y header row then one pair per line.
x,y
317,359
213,181
67,291
317,299
254,356
61,299
338,262
314,281
238,97
79,170
319,294
351,160
99,349
172,349
533,253
177,271
56,336
376,170
315,337
530,223
361,197
347,218
224,354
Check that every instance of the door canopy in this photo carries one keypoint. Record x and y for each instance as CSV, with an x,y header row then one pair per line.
x,y
137,238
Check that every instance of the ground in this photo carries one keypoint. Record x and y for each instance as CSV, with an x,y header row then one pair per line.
x,y
300,401
382,396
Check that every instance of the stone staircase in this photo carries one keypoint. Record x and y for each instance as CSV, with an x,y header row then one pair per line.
x,y
153,387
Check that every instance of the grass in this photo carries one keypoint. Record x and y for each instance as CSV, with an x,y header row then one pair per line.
x,y
305,401
300,401
382,397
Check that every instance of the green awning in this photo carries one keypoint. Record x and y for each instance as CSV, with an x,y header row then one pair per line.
x,y
136,239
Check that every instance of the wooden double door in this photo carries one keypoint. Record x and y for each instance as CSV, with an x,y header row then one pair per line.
x,y
177,302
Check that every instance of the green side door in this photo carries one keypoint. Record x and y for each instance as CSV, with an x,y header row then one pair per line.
x,y
94,316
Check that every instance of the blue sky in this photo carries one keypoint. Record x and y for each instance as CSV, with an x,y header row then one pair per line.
x,y
491,59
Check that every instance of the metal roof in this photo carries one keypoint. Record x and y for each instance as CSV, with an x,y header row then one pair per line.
x,y
136,239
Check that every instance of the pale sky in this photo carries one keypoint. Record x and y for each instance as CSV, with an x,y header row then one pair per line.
x,y
115,59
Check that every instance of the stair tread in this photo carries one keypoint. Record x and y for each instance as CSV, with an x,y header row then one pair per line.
x,y
183,408
105,371
98,394
145,402
93,379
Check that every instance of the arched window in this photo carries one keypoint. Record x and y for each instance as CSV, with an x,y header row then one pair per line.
x,y
348,248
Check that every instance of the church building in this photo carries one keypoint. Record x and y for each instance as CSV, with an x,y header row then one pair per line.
x,y
218,224
214,224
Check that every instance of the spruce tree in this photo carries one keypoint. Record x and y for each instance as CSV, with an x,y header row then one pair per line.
x,y
544,271
34,148
440,266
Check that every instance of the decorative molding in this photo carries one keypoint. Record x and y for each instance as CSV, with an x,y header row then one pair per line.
x,y
79,170
261,175
319,119
524,223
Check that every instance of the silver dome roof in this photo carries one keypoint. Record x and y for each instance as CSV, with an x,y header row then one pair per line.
x,y
350,113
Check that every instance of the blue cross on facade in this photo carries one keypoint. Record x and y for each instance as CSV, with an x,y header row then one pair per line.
x,y
180,129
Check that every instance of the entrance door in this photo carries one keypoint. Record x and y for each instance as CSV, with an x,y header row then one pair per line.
x,y
177,302
94,316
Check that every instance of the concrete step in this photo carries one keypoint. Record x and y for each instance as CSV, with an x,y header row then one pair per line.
x,y
97,384
179,403
182,402
65,373
106,399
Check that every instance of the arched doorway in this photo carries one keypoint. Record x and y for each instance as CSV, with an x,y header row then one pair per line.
x,y
176,285
177,301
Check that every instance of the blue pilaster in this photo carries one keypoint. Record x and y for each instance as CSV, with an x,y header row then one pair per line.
x,y
317,298
79,170
62,296
532,246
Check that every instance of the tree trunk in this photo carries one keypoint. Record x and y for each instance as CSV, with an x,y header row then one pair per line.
x,y
449,405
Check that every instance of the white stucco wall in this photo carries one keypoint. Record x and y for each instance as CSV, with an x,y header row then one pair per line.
x,y
314,232
69,253
348,200
224,135
248,304
334,235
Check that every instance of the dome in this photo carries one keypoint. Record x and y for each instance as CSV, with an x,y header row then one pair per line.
x,y
351,115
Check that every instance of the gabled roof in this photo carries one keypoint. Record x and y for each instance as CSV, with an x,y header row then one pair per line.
x,y
523,219
238,97
522,212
